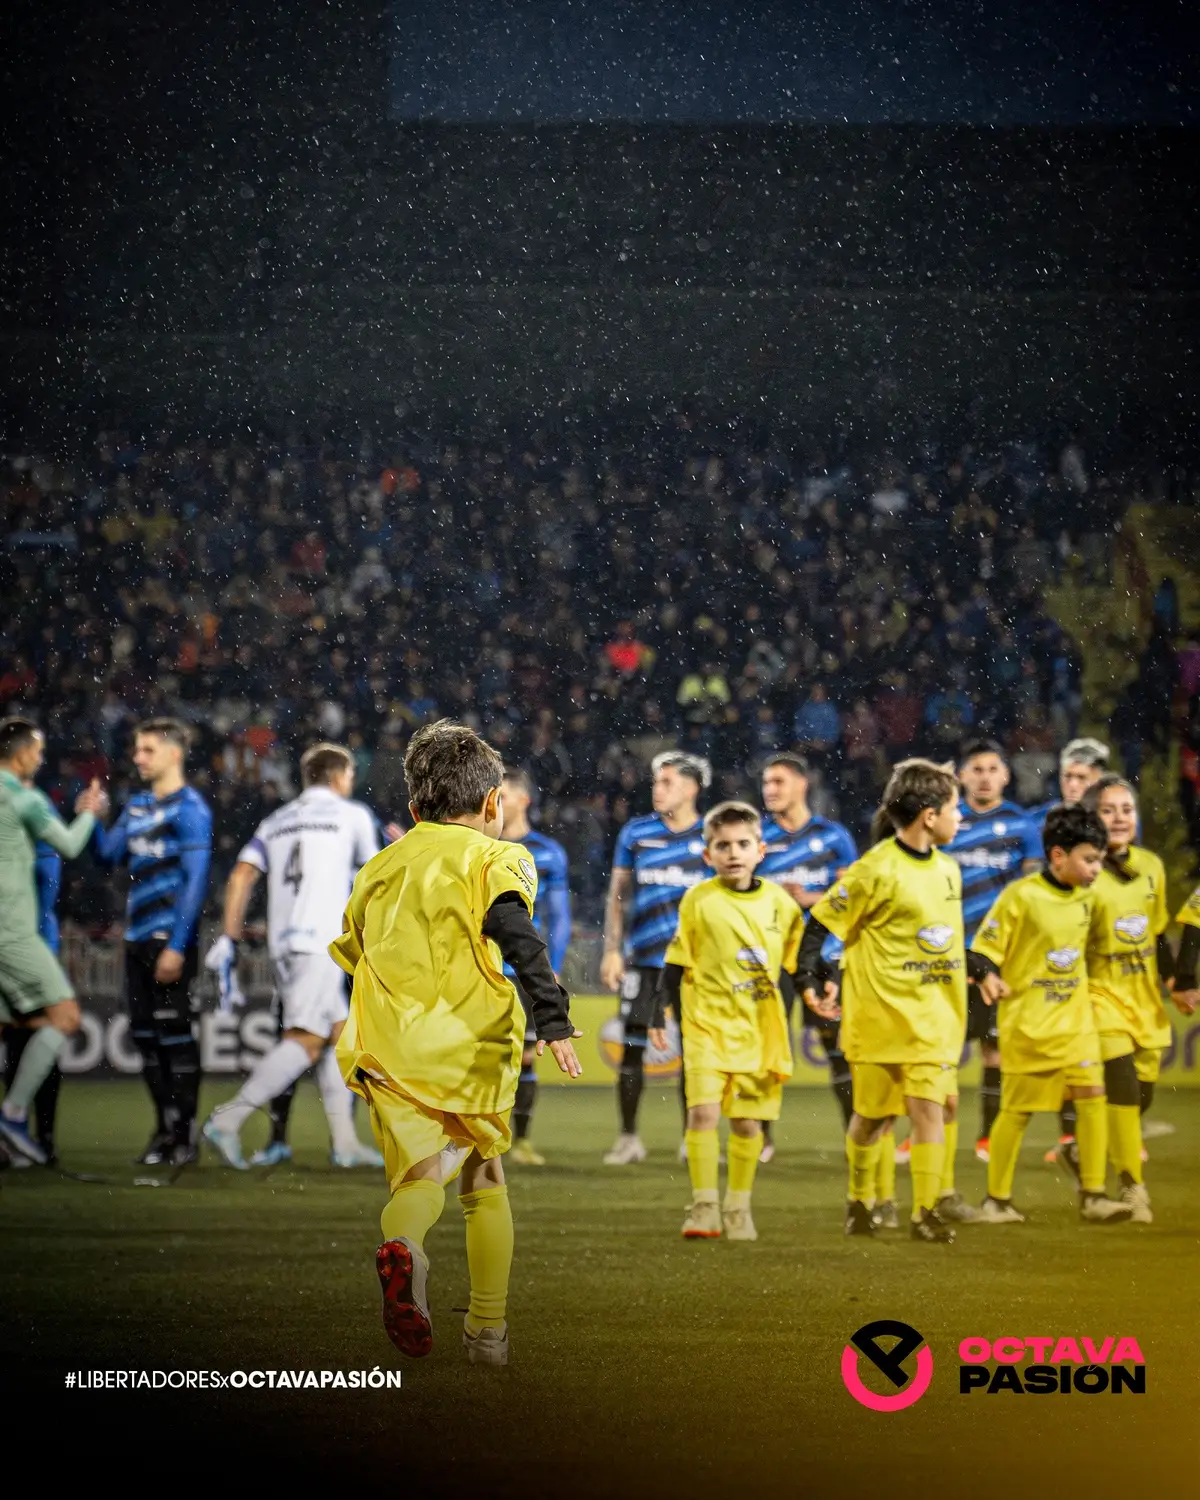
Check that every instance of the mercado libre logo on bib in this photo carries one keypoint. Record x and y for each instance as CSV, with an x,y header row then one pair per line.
x,y
936,938
1062,960
1132,928
894,1357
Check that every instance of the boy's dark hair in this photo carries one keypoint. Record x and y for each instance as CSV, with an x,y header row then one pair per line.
x,y
174,730
320,764
725,814
791,760
915,785
15,734
450,770
519,778
1067,827
972,748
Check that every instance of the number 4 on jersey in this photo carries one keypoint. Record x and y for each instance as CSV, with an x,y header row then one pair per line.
x,y
293,871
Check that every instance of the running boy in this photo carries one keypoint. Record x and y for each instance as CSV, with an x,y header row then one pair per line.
x,y
434,1037
736,932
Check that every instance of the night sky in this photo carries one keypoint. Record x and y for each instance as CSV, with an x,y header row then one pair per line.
x,y
1018,62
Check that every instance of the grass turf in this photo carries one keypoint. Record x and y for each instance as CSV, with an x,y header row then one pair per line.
x,y
641,1364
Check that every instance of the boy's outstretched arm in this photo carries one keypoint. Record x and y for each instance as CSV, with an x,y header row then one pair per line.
x,y
666,996
811,973
509,926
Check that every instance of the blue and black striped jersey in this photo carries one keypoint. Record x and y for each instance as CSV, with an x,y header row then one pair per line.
x,y
809,857
552,909
665,866
991,847
168,847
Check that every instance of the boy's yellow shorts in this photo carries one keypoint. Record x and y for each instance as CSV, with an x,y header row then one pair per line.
x,y
1114,1044
880,1089
407,1131
1045,1093
742,1096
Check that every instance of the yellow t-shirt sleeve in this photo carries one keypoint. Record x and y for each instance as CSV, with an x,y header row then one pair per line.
x,y
847,901
1189,913
792,922
510,870
996,932
680,948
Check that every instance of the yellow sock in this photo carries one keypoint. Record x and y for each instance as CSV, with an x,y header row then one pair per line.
x,y
951,1132
742,1153
864,1161
1091,1136
488,1216
885,1172
925,1166
1125,1139
1004,1146
704,1161
415,1208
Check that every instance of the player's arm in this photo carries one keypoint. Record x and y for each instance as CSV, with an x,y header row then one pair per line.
x,y
991,947
110,845
195,857
1183,986
612,965
40,820
509,925
666,997
557,892
815,987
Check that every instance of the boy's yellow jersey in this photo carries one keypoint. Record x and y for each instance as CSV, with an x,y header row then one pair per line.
x,y
1127,919
431,1009
1037,935
732,945
1189,912
904,984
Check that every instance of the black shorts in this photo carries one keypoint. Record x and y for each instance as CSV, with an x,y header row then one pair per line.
x,y
638,989
154,1006
981,1018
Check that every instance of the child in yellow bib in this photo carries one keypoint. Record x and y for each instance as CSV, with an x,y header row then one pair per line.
x,y
721,977
434,1038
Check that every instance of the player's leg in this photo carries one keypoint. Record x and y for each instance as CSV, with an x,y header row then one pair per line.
x,y
981,1028
139,993
1066,1131
45,1101
487,1214
279,1111
338,1103
926,1088
787,993
1124,1111
637,1012
180,1052
1146,1061
1021,1095
951,1205
749,1100
292,1055
885,1213
36,990
523,1151
1088,1160
705,1090
876,1099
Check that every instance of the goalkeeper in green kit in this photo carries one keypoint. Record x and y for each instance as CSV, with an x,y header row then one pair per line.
x,y
34,990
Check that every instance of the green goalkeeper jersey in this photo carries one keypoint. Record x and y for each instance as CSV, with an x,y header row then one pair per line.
x,y
27,815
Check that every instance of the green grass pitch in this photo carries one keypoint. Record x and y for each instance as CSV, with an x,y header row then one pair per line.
x,y
641,1364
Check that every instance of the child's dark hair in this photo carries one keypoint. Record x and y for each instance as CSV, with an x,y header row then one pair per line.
x,y
1068,826
450,770
725,814
913,786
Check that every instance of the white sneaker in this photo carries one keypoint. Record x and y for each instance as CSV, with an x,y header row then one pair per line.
x,y
487,1347
627,1150
1134,1194
361,1156
739,1224
953,1207
227,1143
993,1211
1095,1208
703,1221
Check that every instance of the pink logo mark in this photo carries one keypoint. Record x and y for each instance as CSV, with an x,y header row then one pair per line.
x,y
890,1362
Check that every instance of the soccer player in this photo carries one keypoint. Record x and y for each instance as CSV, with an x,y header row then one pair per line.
x,y
995,843
436,1031
736,933
552,918
1128,959
1034,940
164,835
1080,765
805,854
898,910
310,851
656,861
34,990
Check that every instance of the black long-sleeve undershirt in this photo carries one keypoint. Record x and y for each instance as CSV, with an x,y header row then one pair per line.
x,y
1189,958
509,926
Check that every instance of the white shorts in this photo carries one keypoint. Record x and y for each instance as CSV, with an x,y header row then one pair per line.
x,y
310,993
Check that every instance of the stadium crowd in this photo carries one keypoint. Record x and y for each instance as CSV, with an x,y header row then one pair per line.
x,y
584,605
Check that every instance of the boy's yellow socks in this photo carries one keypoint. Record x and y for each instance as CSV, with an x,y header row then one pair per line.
x,y
742,1153
925,1164
1004,1146
1125,1138
414,1209
948,1157
1091,1136
863,1162
488,1216
704,1161
885,1171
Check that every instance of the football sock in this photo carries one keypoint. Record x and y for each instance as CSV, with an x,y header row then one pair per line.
x,y
414,1208
1146,1092
45,1101
280,1110
489,1223
1125,1138
1067,1117
989,1101
704,1162
338,1102
629,1084
526,1097
741,1152
180,1055
40,1055
885,1172
925,1165
864,1161
1004,1146
840,1081
154,1076
1091,1135
278,1070
948,1157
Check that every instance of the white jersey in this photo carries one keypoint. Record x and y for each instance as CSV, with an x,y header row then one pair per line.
x,y
310,851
